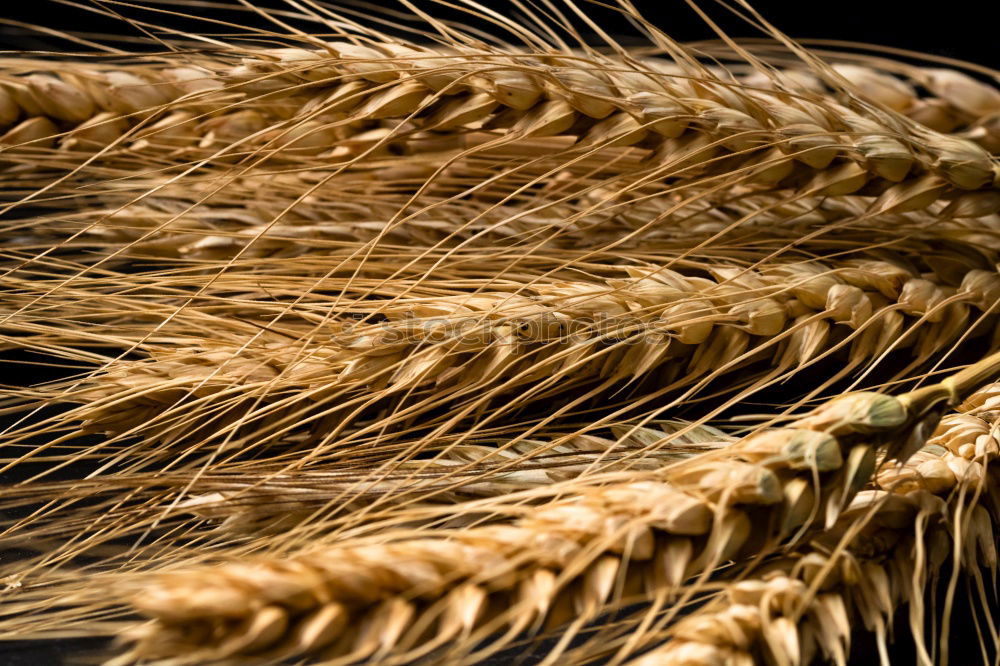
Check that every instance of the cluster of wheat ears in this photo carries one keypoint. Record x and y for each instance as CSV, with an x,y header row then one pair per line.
x,y
400,340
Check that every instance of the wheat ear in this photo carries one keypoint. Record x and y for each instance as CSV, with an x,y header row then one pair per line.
x,y
694,117
314,594
884,552
260,214
618,331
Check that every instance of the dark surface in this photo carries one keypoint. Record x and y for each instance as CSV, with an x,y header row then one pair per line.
x,y
50,653
960,30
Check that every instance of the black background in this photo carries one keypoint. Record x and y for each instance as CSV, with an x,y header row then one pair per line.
x,y
964,29
961,29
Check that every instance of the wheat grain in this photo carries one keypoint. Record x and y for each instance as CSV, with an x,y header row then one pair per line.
x,y
956,99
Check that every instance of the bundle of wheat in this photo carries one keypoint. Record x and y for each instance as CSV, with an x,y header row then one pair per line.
x,y
378,343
